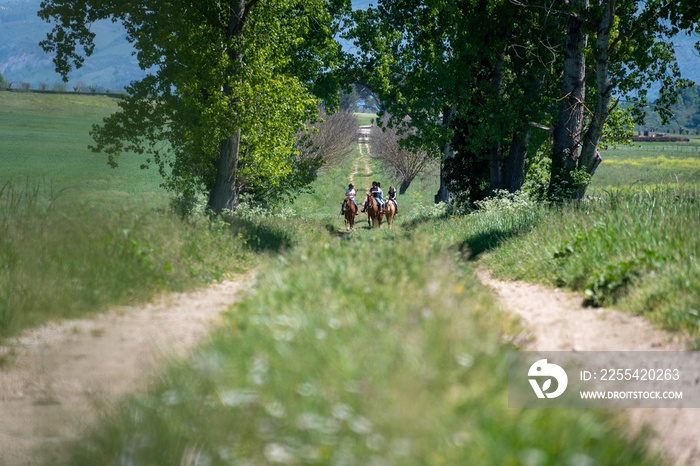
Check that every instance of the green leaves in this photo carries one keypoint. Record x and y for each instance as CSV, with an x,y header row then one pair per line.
x,y
216,68
606,287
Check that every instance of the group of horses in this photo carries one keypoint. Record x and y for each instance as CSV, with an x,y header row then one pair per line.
x,y
375,215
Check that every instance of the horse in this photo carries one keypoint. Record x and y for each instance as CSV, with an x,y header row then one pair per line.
x,y
374,216
390,212
350,213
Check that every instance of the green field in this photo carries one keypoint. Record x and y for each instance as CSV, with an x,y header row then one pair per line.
x,y
45,144
375,347
648,165
365,118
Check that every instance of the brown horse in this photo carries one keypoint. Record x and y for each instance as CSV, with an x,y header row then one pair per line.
x,y
390,212
350,213
374,216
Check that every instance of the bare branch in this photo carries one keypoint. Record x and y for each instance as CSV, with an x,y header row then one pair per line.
x,y
406,164
331,139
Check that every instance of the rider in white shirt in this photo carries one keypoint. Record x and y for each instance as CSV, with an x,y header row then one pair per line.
x,y
350,192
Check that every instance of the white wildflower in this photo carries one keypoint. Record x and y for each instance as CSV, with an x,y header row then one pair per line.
x,y
341,411
238,397
361,425
276,453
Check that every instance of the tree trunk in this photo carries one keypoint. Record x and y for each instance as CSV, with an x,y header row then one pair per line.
x,y
495,172
224,194
590,156
405,183
514,167
443,194
568,128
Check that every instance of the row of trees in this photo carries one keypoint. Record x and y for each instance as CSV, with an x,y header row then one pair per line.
x,y
56,87
481,84
488,83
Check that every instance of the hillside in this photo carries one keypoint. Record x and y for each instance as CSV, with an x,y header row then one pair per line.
x,y
22,60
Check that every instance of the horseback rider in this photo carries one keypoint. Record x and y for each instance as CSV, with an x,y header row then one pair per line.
x,y
392,197
349,193
377,193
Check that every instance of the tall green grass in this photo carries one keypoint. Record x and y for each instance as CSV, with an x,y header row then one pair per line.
x,y
637,250
331,359
497,221
58,262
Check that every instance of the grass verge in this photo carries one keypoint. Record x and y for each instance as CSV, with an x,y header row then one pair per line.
x,y
636,250
67,262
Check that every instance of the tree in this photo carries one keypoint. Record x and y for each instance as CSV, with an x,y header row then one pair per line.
x,y
480,79
330,139
406,164
7,85
230,85
684,14
469,76
628,50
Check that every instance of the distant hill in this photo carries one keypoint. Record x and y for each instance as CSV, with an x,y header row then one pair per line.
x,y
688,56
22,60
113,66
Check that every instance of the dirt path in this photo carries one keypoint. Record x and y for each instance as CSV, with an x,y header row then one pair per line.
x,y
555,320
363,144
59,374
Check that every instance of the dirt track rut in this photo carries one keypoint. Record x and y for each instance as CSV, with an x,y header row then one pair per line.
x,y
555,320
57,375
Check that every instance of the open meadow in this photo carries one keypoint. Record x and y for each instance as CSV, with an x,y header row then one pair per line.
x,y
648,165
45,150
373,347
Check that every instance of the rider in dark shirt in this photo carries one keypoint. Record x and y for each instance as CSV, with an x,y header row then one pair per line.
x,y
376,192
392,197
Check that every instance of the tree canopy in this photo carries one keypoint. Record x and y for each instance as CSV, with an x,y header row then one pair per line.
x,y
489,83
229,85
485,85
